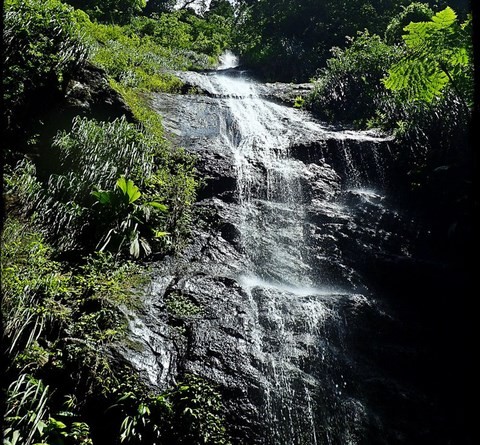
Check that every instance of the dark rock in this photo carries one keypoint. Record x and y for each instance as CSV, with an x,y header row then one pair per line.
x,y
286,92
298,262
89,93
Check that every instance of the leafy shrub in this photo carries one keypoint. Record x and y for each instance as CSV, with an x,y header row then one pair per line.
x,y
181,305
42,47
31,282
93,156
419,107
40,297
26,411
432,88
28,420
415,12
197,409
57,325
290,40
135,61
140,54
190,413
128,220
349,88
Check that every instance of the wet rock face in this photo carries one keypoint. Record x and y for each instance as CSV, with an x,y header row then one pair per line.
x,y
272,301
286,92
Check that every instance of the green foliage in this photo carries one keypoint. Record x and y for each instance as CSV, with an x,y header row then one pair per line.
x,y
139,104
190,413
74,218
156,7
39,297
141,53
180,185
87,155
31,285
290,40
42,46
415,12
57,323
146,419
299,102
20,182
198,408
28,420
181,305
115,11
128,220
26,411
438,53
133,60
350,88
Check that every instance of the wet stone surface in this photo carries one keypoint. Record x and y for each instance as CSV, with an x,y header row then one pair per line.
x,y
293,222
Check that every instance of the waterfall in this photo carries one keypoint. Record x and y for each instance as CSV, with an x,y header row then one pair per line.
x,y
283,331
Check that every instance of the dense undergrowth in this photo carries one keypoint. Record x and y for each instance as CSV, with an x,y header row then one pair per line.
x,y
82,207
289,40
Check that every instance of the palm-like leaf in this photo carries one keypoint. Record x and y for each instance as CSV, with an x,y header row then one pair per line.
x,y
130,190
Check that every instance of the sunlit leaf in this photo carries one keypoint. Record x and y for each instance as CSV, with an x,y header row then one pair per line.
x,y
130,190
445,18
102,196
157,205
135,247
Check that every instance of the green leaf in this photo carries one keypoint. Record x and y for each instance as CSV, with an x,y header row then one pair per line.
x,y
14,439
145,246
460,57
417,33
57,424
129,189
102,196
159,234
135,247
157,205
445,18
435,52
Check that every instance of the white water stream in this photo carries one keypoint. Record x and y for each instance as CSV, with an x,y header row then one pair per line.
x,y
300,295
290,304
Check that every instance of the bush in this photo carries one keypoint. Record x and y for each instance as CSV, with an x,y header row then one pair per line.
x,y
93,156
350,88
415,12
57,325
42,47
190,413
140,53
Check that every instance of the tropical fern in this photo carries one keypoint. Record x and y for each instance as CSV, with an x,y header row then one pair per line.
x,y
437,53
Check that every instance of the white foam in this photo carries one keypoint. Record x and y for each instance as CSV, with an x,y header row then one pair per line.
x,y
250,282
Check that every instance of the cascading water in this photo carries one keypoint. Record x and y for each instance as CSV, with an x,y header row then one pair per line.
x,y
288,304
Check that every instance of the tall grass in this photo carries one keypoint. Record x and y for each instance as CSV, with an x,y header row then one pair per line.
x,y
26,411
93,155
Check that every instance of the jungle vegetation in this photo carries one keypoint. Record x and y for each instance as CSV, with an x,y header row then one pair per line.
x,y
90,199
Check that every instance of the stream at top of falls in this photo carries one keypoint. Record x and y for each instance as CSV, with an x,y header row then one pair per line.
x,y
302,212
